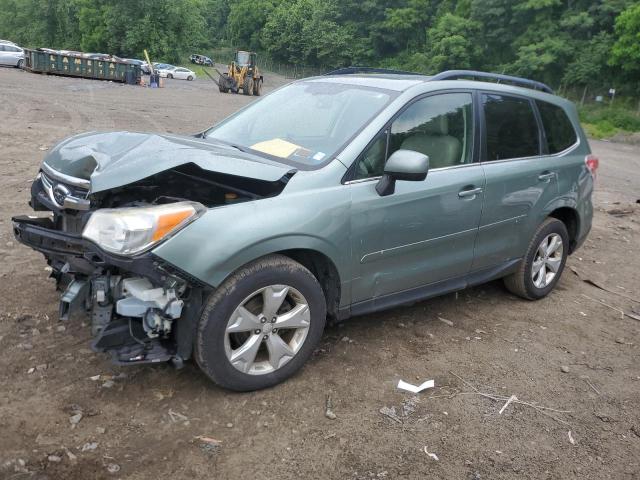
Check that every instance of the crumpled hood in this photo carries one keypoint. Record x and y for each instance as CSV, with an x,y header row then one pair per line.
x,y
114,159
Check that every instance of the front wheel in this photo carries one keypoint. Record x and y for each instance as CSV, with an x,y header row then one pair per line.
x,y
257,87
261,325
543,263
19,64
190,78
247,86
169,75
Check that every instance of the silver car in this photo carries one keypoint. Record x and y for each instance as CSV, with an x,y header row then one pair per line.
x,y
11,55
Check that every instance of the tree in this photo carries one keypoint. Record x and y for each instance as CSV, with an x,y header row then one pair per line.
x,y
246,20
626,49
306,32
451,43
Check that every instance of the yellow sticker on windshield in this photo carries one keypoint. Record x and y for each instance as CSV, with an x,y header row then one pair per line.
x,y
277,146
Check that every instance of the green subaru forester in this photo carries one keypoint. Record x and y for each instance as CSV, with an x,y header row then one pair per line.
x,y
331,197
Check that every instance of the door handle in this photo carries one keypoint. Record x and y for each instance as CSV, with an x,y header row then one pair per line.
x,y
546,176
469,193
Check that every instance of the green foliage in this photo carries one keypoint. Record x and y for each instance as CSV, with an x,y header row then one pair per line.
x,y
166,28
570,44
306,32
603,121
626,50
452,43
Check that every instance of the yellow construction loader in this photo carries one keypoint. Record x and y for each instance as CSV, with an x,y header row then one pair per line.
x,y
243,73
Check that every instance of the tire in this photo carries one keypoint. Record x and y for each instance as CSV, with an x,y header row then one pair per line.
x,y
247,86
169,75
257,87
533,286
19,64
189,78
222,81
216,346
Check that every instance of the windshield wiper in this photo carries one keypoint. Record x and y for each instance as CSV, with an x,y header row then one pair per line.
x,y
227,144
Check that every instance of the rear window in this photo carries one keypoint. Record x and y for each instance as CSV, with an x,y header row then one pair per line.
x,y
511,127
557,127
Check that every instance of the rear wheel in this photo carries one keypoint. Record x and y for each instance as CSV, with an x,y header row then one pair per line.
x,y
261,324
544,262
169,75
190,77
247,86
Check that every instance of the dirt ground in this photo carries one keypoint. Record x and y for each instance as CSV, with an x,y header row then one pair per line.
x,y
573,352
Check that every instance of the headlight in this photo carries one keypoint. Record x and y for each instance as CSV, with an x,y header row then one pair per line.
x,y
127,231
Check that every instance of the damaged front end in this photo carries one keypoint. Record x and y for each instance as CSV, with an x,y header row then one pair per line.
x,y
133,301
99,246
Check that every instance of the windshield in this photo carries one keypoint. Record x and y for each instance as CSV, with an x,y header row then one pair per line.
x,y
243,58
303,123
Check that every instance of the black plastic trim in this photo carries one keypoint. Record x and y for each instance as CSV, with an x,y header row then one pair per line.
x,y
473,74
354,70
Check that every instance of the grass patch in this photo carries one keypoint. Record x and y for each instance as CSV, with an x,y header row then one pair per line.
x,y
602,121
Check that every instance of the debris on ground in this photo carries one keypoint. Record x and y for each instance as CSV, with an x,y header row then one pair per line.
x,y
547,411
177,417
445,321
402,385
620,212
208,444
390,412
599,285
564,369
89,447
571,440
432,455
72,457
512,398
54,458
329,409
113,468
75,419
409,405
586,379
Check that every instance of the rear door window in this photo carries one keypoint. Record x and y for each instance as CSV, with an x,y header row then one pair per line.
x,y
511,128
557,127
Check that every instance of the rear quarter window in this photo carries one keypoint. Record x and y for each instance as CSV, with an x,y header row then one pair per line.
x,y
557,127
511,127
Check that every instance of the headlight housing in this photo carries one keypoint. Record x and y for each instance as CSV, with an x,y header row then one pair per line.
x,y
127,231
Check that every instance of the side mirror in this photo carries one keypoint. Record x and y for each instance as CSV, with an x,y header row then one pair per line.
x,y
402,165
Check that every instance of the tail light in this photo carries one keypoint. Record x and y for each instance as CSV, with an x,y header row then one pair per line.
x,y
592,163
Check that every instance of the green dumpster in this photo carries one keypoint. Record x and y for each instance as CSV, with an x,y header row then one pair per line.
x,y
77,64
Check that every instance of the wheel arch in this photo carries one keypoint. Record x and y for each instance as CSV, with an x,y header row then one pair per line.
x,y
569,216
325,271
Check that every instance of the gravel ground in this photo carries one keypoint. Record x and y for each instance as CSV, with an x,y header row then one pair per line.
x,y
572,352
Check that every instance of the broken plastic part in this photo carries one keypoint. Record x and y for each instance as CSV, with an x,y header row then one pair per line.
x,y
402,385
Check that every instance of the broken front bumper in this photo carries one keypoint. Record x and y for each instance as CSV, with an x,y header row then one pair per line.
x,y
142,309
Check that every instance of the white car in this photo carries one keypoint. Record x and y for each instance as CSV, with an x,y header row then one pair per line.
x,y
180,73
11,55
7,42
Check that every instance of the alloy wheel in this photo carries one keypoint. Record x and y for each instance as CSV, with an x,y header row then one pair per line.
x,y
267,329
547,260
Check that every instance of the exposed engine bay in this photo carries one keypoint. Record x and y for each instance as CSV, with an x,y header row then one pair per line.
x,y
141,308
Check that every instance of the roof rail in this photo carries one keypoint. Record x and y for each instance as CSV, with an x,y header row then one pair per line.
x,y
517,81
355,70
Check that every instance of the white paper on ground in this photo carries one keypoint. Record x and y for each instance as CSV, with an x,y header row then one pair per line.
x,y
415,388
